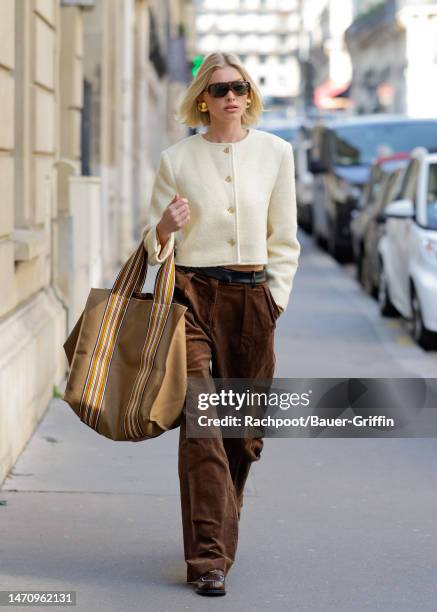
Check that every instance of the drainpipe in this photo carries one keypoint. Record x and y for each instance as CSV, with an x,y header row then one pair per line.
x,y
74,166
125,141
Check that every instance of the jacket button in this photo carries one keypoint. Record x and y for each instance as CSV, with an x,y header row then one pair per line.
x,y
226,150
231,209
231,241
229,179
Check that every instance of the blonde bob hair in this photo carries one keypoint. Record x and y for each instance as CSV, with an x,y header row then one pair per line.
x,y
190,115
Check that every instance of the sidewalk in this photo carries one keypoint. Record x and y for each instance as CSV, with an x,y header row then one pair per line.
x,y
327,524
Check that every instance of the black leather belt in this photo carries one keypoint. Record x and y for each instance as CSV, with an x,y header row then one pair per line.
x,y
228,276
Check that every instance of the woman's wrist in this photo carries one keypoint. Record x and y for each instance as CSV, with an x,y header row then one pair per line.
x,y
162,236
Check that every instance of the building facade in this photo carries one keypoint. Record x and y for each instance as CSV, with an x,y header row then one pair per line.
x,y
323,53
264,34
87,89
393,46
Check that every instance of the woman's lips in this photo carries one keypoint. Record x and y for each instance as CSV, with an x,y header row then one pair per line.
x,y
231,108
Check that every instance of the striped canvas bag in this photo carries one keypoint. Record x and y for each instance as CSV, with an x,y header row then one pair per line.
x,y
127,356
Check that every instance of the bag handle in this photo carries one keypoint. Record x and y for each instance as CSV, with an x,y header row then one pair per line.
x,y
131,277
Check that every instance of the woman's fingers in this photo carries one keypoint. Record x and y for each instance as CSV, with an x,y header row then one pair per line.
x,y
176,214
181,203
182,217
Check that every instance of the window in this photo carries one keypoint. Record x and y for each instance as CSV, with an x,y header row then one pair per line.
x,y
431,198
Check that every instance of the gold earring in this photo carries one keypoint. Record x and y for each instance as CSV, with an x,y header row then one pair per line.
x,y
248,103
203,107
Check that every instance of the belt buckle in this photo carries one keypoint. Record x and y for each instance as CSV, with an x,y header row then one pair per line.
x,y
253,278
228,276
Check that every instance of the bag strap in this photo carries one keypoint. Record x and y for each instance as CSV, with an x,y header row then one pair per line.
x,y
130,278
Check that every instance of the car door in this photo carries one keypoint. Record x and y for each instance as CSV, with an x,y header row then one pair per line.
x,y
374,230
400,243
319,186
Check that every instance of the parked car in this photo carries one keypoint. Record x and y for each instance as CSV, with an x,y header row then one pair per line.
x,y
408,252
296,131
304,179
366,220
343,151
390,190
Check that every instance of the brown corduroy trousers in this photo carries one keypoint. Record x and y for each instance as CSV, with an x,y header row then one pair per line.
x,y
229,334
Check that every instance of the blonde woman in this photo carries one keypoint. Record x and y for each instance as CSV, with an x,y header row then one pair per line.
x,y
224,201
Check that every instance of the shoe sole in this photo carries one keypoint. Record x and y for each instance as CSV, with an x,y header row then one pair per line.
x,y
211,592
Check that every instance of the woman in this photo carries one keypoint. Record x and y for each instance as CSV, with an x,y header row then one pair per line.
x,y
225,202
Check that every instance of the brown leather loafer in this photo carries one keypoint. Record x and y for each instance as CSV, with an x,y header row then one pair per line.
x,y
211,583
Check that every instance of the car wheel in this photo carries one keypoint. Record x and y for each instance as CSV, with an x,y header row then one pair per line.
x,y
423,336
334,249
386,307
359,267
304,219
318,239
310,221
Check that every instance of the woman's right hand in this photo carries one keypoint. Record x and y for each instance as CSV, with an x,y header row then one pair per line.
x,y
175,216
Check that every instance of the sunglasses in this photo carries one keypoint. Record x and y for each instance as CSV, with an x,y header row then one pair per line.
x,y
219,90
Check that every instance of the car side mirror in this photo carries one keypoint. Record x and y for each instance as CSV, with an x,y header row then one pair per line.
x,y
317,167
380,218
399,209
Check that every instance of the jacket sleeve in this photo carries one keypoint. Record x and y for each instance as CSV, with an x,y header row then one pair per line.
x,y
283,248
163,191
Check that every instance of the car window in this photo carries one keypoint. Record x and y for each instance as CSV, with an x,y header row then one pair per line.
x,y
308,158
431,198
404,182
377,182
365,194
381,197
410,184
391,188
316,151
361,144
398,183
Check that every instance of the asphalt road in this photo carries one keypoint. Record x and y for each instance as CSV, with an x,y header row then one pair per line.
x,y
327,525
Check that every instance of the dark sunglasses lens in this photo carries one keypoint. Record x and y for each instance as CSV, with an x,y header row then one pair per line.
x,y
218,90
240,88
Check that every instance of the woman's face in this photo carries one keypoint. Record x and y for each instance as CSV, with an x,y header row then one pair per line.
x,y
217,106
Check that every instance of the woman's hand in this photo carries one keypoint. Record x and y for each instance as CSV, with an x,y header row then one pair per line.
x,y
175,216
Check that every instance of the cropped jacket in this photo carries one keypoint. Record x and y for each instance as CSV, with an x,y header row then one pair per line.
x,y
242,206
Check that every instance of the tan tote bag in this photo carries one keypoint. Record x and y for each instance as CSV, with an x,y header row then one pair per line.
x,y
127,356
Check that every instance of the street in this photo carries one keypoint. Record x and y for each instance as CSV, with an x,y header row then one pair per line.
x,y
327,524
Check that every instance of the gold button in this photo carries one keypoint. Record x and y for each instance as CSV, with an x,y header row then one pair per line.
x,y
226,150
231,241
229,179
231,209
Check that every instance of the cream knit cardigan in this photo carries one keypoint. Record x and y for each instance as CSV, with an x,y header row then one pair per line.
x,y
242,206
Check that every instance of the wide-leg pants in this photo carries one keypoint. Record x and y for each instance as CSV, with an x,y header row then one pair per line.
x,y
229,334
